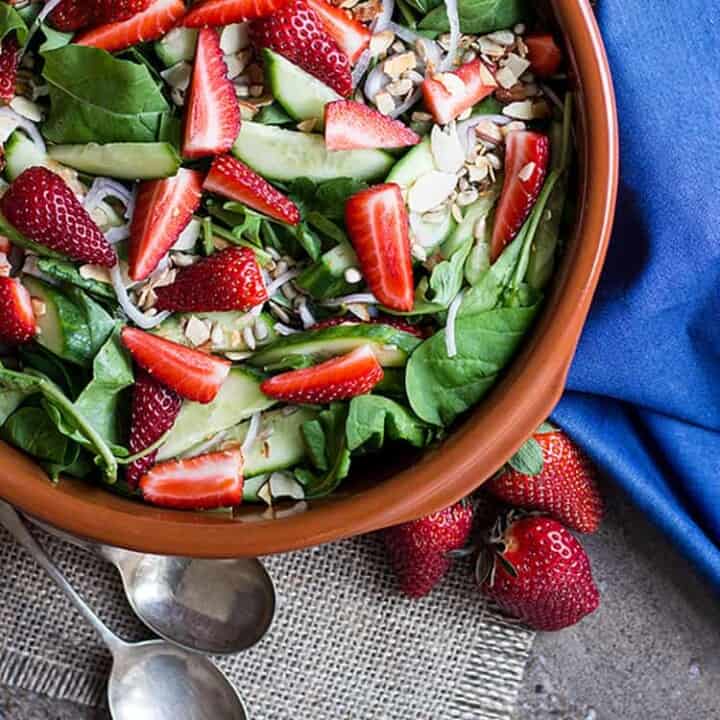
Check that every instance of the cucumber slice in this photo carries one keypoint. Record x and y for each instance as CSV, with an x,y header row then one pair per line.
x,y
230,324
303,96
283,446
326,278
127,161
418,161
391,346
20,154
286,155
179,44
238,399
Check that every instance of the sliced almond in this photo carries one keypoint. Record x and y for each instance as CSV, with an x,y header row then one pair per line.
x,y
447,151
451,82
516,64
307,126
506,77
502,37
26,108
95,272
380,42
490,48
478,173
396,65
526,172
488,131
197,331
384,103
399,87
234,38
431,190
39,307
178,76
522,110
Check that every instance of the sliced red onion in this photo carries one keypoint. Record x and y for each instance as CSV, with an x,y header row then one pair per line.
x,y
450,341
366,298
384,18
27,125
103,188
361,67
146,322
282,329
454,20
405,106
465,127
252,433
118,234
308,320
375,82
279,281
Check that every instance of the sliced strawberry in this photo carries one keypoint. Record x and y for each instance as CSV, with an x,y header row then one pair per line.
x,y
351,125
395,322
154,411
150,24
45,210
212,116
72,15
208,13
341,378
205,482
162,211
544,55
351,36
296,31
232,179
526,160
17,319
190,373
446,100
377,223
8,67
227,280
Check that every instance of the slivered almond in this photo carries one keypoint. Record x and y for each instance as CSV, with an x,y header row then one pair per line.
x,y
451,82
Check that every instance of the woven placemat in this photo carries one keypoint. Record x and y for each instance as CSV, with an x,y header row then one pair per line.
x,y
345,644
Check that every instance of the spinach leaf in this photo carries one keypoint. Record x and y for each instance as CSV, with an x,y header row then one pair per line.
x,y
327,227
38,358
332,195
100,401
479,16
10,401
424,6
447,277
68,272
336,462
95,97
63,414
98,323
30,429
272,115
10,21
78,463
439,387
307,239
372,420
54,39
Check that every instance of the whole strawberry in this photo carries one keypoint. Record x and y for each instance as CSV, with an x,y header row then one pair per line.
x,y
418,550
43,208
540,574
296,31
154,411
565,488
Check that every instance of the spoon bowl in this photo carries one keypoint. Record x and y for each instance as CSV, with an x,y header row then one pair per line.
x,y
157,681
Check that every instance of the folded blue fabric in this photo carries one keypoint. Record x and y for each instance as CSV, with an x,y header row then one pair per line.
x,y
644,390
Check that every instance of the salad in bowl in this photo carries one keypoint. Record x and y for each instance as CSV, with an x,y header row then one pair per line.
x,y
245,242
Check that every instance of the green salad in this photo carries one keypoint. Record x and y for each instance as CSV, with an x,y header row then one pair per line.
x,y
244,242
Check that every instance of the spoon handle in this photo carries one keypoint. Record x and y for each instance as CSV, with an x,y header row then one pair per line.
x,y
15,526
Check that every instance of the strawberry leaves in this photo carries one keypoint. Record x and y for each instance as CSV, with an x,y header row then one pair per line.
x,y
528,460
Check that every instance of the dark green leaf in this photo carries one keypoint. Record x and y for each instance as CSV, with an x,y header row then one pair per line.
x,y
54,39
479,16
31,430
95,97
68,272
326,227
10,21
332,195
528,460
272,115
38,358
315,444
446,278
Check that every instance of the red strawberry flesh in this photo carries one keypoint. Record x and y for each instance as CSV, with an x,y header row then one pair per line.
x,y
192,374
41,206
341,378
296,31
418,550
163,210
377,223
351,35
200,483
224,12
8,67
17,319
154,411
351,125
552,586
150,24
227,280
235,180
212,114
544,55
527,155
566,487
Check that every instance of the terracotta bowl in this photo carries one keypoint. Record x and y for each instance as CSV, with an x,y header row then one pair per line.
x,y
403,488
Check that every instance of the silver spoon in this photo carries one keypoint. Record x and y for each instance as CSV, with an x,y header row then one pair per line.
x,y
218,607
151,679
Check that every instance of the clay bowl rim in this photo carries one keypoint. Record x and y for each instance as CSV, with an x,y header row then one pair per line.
x,y
472,453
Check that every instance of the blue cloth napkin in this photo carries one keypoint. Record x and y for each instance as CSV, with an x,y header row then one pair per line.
x,y
644,390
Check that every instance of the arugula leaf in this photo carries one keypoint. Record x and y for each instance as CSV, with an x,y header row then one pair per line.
x,y
100,401
439,388
307,239
64,415
30,429
68,272
10,21
372,420
331,423
95,97
528,460
247,224
479,16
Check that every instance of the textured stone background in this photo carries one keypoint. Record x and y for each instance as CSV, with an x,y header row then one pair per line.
x,y
651,651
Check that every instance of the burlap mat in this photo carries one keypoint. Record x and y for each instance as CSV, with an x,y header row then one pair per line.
x,y
345,645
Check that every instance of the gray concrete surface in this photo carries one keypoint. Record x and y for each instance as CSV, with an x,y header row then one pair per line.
x,y
652,651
